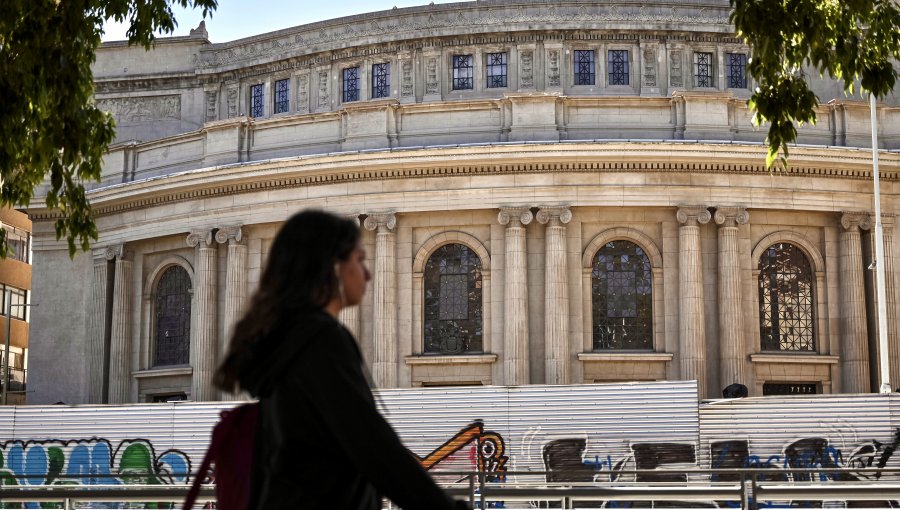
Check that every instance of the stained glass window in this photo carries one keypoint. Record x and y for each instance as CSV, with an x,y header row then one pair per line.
x,y
736,68
256,100
173,318
350,85
703,69
622,300
463,72
381,80
282,93
496,70
786,299
618,67
453,306
584,67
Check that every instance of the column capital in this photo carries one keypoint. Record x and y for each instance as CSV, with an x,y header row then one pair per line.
x,y
855,220
230,235
117,252
200,237
99,255
692,215
731,216
554,215
523,214
384,222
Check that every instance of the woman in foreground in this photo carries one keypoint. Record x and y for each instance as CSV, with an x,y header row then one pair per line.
x,y
321,442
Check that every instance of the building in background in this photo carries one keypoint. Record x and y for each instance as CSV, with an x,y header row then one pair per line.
x,y
15,285
550,192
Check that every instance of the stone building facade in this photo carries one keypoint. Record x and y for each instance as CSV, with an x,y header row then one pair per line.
x,y
549,192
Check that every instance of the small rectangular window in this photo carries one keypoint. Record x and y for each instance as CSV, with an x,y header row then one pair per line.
x,y
463,72
169,397
496,70
736,70
18,243
618,67
790,389
350,85
381,80
584,67
257,104
17,298
703,69
282,95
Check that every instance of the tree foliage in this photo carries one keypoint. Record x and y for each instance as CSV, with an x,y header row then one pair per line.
x,y
849,40
48,123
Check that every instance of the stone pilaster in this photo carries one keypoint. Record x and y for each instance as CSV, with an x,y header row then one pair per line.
x,y
892,301
515,329
203,321
96,338
854,334
384,294
732,355
691,330
556,295
120,334
349,315
235,275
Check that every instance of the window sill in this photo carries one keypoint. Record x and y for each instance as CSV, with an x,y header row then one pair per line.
x,y
162,372
423,359
821,359
625,356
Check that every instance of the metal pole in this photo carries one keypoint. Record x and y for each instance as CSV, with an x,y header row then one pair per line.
x,y
6,348
880,262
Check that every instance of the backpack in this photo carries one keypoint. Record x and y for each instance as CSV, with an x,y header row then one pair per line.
x,y
231,451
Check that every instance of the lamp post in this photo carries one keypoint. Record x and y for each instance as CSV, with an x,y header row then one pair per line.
x,y
9,305
879,263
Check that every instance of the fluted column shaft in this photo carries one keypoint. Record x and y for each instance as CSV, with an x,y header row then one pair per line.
x,y
691,330
235,275
96,342
349,315
556,295
515,329
120,335
854,333
732,353
384,294
203,328
892,303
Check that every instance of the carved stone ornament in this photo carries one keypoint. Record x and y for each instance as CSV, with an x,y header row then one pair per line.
x,y
675,78
406,78
324,100
384,222
553,79
649,68
230,235
526,69
554,215
212,100
507,216
431,76
856,220
303,92
142,109
117,252
200,238
232,103
691,215
731,216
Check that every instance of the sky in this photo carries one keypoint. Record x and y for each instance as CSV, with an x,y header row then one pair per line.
x,y
235,19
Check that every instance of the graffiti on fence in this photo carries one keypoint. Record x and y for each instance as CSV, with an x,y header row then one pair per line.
x,y
470,449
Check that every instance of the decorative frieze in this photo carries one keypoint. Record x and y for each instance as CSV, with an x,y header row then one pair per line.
x,y
142,109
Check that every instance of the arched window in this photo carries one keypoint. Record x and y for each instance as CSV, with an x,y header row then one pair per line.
x,y
786,299
453,306
622,297
173,318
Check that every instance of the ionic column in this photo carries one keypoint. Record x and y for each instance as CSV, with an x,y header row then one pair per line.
x,y
854,334
515,341
97,320
892,304
120,334
731,324
556,295
691,330
203,321
384,299
235,276
349,315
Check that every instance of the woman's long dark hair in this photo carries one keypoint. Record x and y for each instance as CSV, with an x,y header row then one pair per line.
x,y
299,277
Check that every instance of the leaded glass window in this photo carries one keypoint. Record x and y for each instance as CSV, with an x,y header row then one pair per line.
x,y
257,105
173,318
584,67
496,70
786,299
736,70
703,69
622,300
463,72
381,80
350,85
618,67
282,95
453,306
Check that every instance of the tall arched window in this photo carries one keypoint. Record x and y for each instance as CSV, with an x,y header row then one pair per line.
x,y
622,297
786,299
453,306
173,318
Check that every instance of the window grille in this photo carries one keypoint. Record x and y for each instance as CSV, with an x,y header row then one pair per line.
x,y
173,318
618,67
381,80
350,85
282,95
453,305
703,69
622,301
737,70
790,389
257,107
584,67
463,72
496,70
786,319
